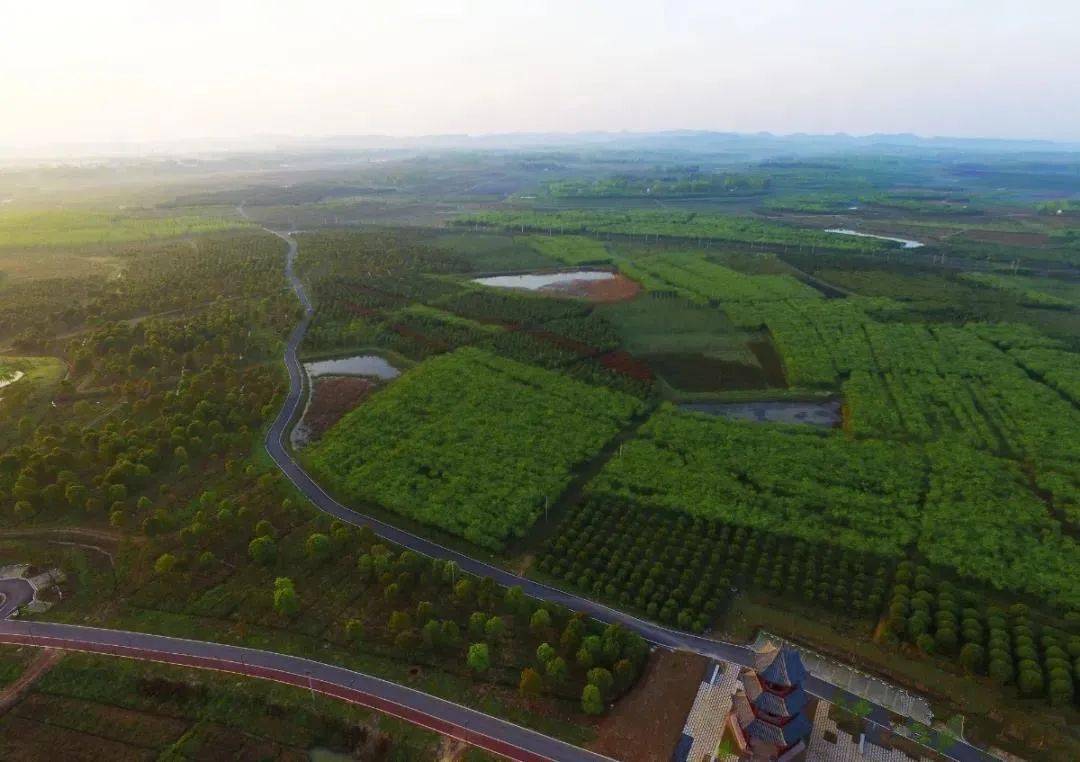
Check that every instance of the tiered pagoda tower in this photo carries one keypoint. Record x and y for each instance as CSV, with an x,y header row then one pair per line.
x,y
768,707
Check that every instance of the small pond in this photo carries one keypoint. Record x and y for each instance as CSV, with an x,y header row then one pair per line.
x,y
361,365
907,242
815,413
537,281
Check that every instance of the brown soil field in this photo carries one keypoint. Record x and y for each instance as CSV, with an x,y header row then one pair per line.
x,y
332,398
26,740
646,724
617,289
625,363
1008,238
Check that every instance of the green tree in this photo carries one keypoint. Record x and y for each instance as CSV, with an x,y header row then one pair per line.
x,y
464,592
540,623
432,634
165,563
408,641
624,675
494,628
972,657
399,621
602,679
531,684
545,653
514,599
286,601
477,623
591,700
263,550
318,547
557,670
354,630
265,529
479,658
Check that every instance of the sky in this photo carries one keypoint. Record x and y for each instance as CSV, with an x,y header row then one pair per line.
x,y
121,71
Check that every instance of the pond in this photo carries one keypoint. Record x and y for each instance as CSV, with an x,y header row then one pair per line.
x,y
907,242
814,413
360,365
537,281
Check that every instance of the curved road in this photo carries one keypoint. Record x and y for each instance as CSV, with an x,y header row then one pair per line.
x,y
444,717
278,450
14,593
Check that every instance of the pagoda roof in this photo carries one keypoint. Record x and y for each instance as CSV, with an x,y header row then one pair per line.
x,y
780,666
781,706
775,704
779,735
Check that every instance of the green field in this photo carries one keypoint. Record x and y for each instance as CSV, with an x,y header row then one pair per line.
x,y
470,443
573,250
679,225
30,230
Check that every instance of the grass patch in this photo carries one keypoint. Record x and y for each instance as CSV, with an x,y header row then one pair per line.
x,y
571,249
31,230
654,325
494,253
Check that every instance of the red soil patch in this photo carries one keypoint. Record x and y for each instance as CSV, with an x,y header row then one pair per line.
x,y
1005,237
625,363
332,397
617,289
409,333
564,342
646,723
356,309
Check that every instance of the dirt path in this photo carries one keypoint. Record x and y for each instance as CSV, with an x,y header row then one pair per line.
x,y
46,659
100,535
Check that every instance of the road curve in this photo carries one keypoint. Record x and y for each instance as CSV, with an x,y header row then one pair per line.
x,y
438,715
14,592
278,450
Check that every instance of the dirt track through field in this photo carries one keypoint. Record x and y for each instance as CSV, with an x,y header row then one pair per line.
x,y
45,661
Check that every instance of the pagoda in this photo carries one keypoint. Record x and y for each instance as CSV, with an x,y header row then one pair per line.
x,y
767,710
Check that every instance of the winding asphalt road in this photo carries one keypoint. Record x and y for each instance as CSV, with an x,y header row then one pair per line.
x,y
278,450
444,717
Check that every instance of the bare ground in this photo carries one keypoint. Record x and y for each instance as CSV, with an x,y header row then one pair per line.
x,y
617,289
332,398
646,724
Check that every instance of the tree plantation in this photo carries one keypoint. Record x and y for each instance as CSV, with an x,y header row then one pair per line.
x,y
647,386
471,443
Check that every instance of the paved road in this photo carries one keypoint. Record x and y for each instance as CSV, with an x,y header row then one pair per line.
x,y
276,438
435,714
14,593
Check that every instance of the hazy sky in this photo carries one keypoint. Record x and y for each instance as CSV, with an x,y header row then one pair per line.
x,y
145,71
